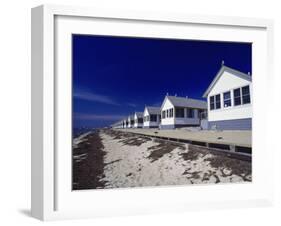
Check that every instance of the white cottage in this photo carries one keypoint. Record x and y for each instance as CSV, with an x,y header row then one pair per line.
x,y
138,120
230,100
181,112
130,121
151,117
125,124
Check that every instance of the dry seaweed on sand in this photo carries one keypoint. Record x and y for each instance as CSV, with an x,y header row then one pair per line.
x,y
207,176
193,154
163,148
135,140
192,175
229,166
127,138
109,163
88,172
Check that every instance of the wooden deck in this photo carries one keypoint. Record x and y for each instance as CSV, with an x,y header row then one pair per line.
x,y
235,141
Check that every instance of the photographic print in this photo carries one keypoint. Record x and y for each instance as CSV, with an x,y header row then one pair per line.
x,y
160,112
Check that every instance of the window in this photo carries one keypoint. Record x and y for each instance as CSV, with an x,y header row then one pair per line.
x,y
167,113
212,103
226,99
171,113
218,101
179,112
163,114
153,118
215,102
246,95
140,120
190,113
237,97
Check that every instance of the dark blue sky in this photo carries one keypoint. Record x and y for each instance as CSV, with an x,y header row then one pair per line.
x,y
116,76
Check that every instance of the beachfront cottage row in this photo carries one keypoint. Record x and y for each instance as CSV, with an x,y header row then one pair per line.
x,y
228,107
229,100
175,112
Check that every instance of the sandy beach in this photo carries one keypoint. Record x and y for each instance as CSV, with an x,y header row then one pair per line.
x,y
115,159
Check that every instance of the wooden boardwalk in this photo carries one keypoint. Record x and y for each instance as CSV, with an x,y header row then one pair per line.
x,y
235,141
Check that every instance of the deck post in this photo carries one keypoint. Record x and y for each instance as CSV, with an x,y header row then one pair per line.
x,y
232,148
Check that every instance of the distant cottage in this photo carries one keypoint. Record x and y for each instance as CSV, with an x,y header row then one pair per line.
x,y
138,120
125,123
151,117
181,112
229,100
131,121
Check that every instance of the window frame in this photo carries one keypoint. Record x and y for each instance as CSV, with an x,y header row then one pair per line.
x,y
231,98
170,113
192,111
163,114
215,102
243,95
152,117
218,100
228,99
179,108
240,98
212,103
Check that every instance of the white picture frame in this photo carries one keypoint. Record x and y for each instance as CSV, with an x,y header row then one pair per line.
x,y
48,187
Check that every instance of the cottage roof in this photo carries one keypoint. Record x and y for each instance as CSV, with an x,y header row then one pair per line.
x,y
131,117
139,114
153,110
220,73
187,102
